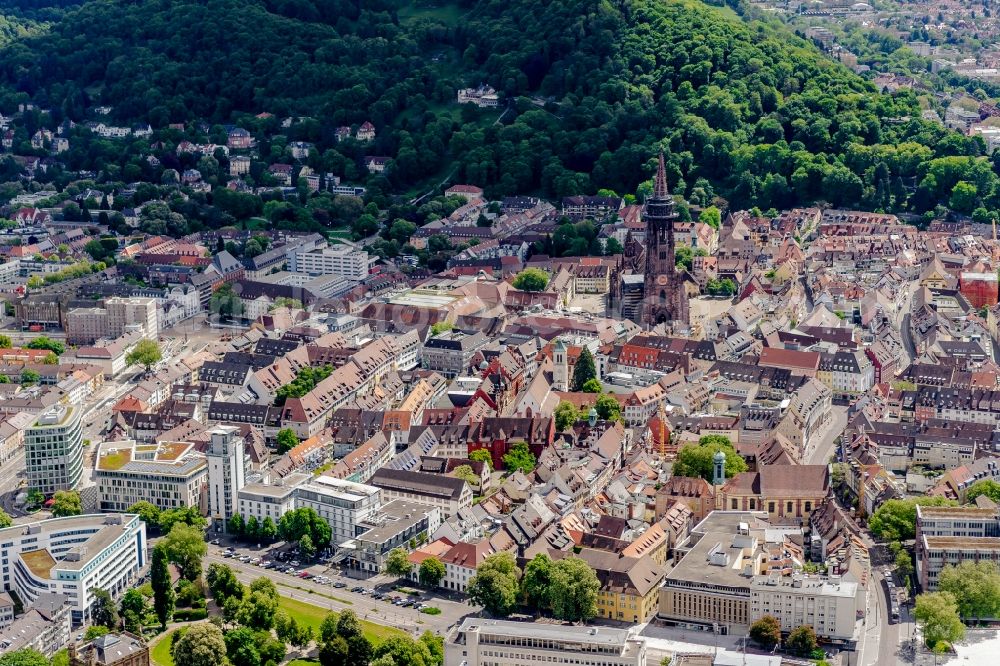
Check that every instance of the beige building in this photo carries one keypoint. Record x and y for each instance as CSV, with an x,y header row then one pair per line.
x,y
117,317
735,567
169,475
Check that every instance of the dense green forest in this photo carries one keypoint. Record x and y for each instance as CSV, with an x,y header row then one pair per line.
x,y
745,109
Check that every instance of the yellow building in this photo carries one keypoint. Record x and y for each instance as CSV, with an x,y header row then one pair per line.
x,y
628,584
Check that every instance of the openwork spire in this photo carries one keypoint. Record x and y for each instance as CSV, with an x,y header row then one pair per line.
x,y
660,184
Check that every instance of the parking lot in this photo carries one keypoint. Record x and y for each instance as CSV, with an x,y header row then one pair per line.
x,y
284,563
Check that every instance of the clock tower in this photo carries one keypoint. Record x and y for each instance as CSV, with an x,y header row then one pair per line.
x,y
665,300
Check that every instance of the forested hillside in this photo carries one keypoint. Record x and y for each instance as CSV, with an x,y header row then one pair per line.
x,y
746,110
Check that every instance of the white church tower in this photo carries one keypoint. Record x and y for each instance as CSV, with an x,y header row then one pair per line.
x,y
560,372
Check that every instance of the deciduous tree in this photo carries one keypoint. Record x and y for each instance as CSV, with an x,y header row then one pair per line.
x,y
896,519
766,632
222,583
104,612
975,586
495,585
573,589
937,615
801,640
186,548
697,460
431,572
531,279
146,353
397,564
565,415
201,645
66,503
520,458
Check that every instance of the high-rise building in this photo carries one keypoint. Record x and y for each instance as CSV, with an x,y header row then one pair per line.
x,y
664,295
226,474
53,450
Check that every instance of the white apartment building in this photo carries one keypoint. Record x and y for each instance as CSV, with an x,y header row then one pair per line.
x,y
227,465
72,556
343,504
262,500
10,271
846,373
828,605
167,474
53,450
483,642
341,260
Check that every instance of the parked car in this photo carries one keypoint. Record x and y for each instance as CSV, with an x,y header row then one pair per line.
x,y
339,584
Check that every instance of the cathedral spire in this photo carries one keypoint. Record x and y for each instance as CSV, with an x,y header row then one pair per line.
x,y
660,184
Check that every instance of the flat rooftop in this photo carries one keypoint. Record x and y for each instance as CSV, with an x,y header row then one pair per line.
x,y
955,512
347,490
423,299
817,584
607,636
103,529
173,458
962,543
395,517
719,532
39,561
267,490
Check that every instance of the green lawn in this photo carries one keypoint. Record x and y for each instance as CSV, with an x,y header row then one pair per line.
x,y
312,616
302,662
160,654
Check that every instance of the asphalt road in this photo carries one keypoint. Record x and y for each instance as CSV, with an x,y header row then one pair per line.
x,y
379,612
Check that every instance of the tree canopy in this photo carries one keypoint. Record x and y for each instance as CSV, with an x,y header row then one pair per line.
x,y
896,519
766,632
520,457
937,615
146,353
584,370
975,587
66,503
696,460
531,279
496,584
